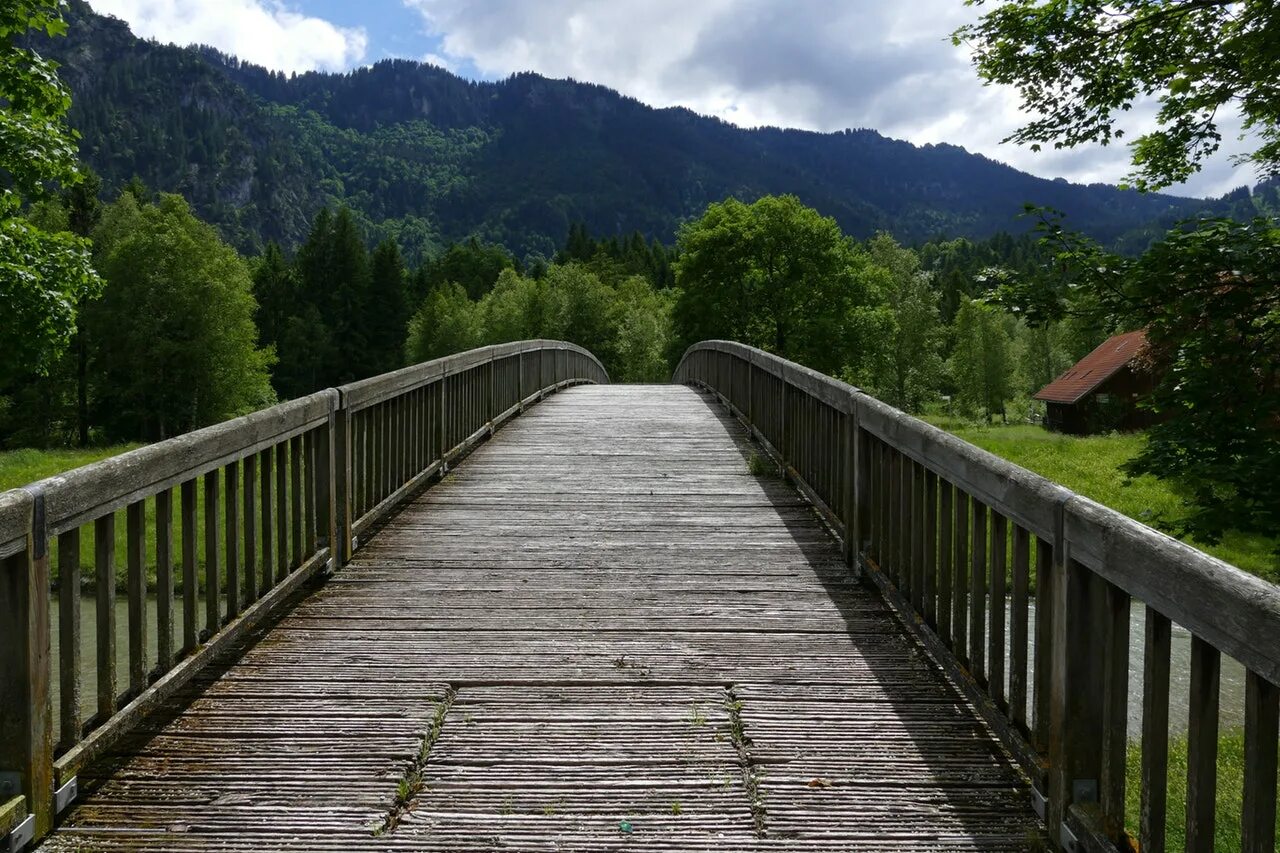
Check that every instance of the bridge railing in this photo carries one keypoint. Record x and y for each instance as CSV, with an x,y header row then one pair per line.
x,y
238,515
969,548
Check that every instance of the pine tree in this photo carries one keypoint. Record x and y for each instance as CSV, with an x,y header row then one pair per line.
x,y
387,313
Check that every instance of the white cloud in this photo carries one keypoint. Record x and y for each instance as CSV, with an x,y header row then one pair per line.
x,y
264,32
797,63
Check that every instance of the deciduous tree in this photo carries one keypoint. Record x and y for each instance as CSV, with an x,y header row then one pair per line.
x,y
44,275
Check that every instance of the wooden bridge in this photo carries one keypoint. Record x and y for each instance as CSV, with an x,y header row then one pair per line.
x,y
396,616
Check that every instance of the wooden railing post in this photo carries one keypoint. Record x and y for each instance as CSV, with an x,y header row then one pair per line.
x,y
850,484
1077,686
340,500
330,458
26,724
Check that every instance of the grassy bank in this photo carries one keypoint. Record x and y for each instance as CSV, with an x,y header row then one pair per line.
x,y
21,467
1092,466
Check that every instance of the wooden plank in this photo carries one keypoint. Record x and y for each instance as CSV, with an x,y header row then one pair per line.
x,y
282,511
104,547
250,512
136,546
232,530
309,519
1155,732
617,622
996,642
960,579
1202,745
1115,710
26,724
267,522
164,581
946,552
69,636
1018,623
190,629
295,491
978,591
85,494
930,556
1043,656
1261,731
212,554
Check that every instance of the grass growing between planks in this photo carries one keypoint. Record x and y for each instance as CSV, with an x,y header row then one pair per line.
x,y
1230,792
1091,466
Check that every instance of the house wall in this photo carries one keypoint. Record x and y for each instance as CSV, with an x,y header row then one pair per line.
x,y
1112,405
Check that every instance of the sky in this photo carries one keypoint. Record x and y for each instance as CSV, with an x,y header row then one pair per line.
x,y
821,65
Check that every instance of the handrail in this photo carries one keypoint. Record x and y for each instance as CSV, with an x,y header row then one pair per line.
x,y
941,527
261,501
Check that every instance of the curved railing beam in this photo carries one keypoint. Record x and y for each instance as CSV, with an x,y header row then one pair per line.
x,y
939,524
260,501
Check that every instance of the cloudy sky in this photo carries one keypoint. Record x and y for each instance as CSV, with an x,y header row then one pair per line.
x,y
816,64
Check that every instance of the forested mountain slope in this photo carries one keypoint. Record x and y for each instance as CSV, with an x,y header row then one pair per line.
x,y
428,157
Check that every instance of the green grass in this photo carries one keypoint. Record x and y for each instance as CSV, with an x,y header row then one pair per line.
x,y
1091,466
22,467
1230,792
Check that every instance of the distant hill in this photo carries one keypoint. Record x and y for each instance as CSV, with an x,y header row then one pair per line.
x,y
428,157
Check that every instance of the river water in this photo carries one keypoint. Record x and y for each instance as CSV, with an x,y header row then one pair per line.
x,y
1231,715
1231,698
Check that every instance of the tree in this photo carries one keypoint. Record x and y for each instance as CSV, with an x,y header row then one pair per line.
x,y
388,312
643,332
905,366
515,310
1077,66
447,322
981,363
472,264
333,276
580,309
774,274
174,344
1207,295
44,275
275,287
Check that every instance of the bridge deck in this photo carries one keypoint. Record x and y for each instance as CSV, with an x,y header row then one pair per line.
x,y
599,632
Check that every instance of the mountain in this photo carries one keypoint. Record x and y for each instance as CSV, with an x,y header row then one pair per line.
x,y
427,157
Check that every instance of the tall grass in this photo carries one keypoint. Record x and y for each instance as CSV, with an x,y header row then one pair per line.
x,y
1230,792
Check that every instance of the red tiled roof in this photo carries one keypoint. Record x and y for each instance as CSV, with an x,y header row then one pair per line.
x,y
1094,369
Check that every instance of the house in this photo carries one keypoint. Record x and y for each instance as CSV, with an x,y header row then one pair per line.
x,y
1101,391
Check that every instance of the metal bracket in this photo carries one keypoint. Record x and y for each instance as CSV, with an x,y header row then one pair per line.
x,y
10,784
66,795
20,836
1084,791
1067,839
355,543
1039,802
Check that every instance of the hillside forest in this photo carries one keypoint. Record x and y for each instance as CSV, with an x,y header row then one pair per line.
x,y
186,331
